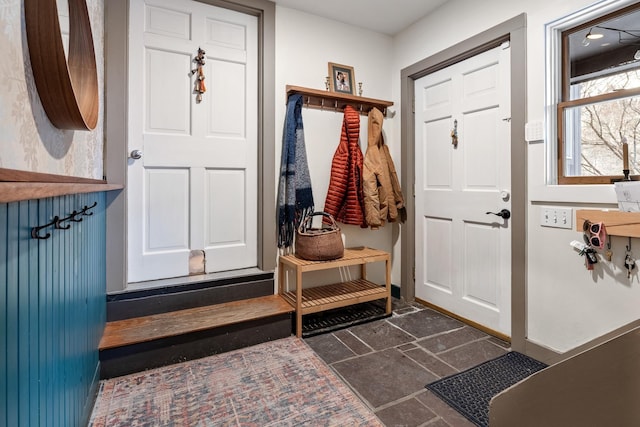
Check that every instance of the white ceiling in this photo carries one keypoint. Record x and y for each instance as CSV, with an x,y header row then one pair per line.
x,y
384,16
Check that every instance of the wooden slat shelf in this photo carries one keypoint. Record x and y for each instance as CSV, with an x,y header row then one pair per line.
x,y
336,295
327,297
616,222
352,256
336,101
148,328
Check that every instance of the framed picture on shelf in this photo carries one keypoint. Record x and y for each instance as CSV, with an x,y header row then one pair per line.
x,y
342,78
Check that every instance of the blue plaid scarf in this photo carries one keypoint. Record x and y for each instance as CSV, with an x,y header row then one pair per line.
x,y
295,198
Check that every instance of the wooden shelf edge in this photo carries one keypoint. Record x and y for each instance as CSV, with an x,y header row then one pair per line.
x,y
322,296
352,256
19,191
335,101
616,222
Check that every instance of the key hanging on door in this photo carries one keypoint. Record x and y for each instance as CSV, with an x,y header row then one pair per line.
x,y
629,262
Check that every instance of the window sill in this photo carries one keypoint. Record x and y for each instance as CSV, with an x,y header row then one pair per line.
x,y
601,194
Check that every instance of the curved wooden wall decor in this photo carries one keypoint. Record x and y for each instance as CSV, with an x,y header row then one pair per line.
x,y
68,89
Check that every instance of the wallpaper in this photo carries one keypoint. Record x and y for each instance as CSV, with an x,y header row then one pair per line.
x,y
28,140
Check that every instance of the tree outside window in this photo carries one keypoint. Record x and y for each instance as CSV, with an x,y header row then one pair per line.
x,y
599,114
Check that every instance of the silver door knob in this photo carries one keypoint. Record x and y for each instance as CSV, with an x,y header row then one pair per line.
x,y
136,154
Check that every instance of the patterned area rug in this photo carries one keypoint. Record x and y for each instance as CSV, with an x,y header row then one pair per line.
x,y
278,383
470,391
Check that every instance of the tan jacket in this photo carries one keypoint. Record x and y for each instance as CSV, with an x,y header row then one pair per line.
x,y
383,199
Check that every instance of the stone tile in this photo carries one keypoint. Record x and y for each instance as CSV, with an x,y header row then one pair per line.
x,y
383,377
329,348
351,341
407,347
425,323
380,335
471,354
504,344
405,310
439,407
398,304
430,362
437,422
452,339
409,413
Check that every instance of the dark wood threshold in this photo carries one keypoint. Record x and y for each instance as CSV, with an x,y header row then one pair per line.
x,y
16,185
148,328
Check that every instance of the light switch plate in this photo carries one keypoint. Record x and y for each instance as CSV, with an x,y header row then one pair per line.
x,y
556,217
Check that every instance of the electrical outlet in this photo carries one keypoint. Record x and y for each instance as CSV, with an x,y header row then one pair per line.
x,y
556,217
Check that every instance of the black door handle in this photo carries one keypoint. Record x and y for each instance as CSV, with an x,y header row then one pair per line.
x,y
504,213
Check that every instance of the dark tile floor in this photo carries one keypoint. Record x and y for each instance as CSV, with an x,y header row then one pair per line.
x,y
388,362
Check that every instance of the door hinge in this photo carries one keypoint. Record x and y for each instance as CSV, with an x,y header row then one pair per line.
x,y
414,274
413,105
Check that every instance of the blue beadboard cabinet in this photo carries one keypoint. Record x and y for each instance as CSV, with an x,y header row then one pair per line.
x,y
52,311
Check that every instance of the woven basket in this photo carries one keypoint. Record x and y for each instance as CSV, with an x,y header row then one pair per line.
x,y
319,244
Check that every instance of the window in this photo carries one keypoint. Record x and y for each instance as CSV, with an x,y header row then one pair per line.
x,y
598,102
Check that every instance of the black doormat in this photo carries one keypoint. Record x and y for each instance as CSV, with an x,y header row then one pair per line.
x,y
339,318
470,391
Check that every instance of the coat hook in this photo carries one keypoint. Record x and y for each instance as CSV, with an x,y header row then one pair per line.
x,y
74,214
58,224
35,231
85,210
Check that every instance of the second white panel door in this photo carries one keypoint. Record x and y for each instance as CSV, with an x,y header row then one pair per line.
x,y
463,253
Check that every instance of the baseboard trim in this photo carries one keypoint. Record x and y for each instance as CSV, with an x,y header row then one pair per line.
x,y
483,328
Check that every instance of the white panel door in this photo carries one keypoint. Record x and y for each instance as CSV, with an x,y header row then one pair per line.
x,y
463,254
195,187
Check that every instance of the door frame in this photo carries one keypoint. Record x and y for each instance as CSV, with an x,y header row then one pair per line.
x,y
514,31
115,130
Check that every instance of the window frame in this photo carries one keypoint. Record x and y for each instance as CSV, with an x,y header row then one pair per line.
x,y
558,86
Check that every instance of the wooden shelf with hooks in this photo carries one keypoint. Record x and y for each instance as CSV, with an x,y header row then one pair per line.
x,y
336,101
616,222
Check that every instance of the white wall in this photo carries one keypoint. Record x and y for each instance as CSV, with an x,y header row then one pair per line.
x,y
566,305
305,44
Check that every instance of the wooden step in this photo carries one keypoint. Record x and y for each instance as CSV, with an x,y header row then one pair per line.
x,y
136,344
148,328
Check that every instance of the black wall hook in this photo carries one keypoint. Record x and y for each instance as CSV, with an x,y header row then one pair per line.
x,y
57,222
85,210
35,231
